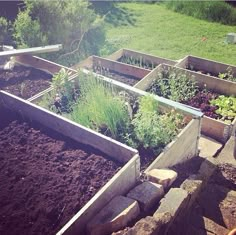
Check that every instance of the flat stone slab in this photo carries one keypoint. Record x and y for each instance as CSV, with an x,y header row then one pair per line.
x,y
227,153
165,177
115,216
173,203
147,194
208,147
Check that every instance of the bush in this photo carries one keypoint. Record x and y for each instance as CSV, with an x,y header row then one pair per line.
x,y
4,27
216,11
70,23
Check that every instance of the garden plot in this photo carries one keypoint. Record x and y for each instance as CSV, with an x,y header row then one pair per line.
x,y
139,59
49,178
26,75
121,72
157,127
214,97
204,68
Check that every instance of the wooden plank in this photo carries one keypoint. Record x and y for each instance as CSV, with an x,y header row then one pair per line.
x,y
71,129
33,50
118,185
216,129
113,65
203,64
43,64
152,59
185,146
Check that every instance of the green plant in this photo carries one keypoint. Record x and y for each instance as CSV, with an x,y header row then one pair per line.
x,y
99,109
226,107
228,75
152,129
174,84
4,31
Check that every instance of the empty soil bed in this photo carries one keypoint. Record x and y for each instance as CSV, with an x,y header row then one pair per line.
x,y
45,178
121,77
23,81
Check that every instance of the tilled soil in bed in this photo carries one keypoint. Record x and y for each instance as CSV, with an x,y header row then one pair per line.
x,y
23,81
45,178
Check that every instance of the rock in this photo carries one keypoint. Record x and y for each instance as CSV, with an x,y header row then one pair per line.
x,y
115,216
208,147
164,177
147,194
174,203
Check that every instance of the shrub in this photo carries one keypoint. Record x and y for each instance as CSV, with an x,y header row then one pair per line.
x,y
4,27
70,23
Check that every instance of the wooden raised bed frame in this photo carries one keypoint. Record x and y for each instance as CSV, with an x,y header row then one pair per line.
x,y
41,64
213,128
202,64
115,66
151,59
184,146
120,183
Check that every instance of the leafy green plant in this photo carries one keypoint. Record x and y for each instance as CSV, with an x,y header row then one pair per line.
x,y
152,129
226,107
174,84
228,75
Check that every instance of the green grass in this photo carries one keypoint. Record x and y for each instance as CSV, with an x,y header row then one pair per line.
x,y
153,29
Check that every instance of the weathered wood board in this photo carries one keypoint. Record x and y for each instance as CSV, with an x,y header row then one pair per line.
x,y
125,178
95,61
202,64
146,58
213,128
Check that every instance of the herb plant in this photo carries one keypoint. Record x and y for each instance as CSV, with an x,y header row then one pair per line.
x,y
228,75
175,85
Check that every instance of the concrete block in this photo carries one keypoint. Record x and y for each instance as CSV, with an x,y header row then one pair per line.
x,y
208,147
231,38
147,194
115,216
174,203
164,177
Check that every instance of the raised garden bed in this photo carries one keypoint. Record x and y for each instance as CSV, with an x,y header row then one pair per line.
x,y
204,68
50,179
166,155
139,59
29,76
127,74
200,93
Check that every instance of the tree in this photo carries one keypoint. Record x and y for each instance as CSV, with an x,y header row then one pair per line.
x,y
71,23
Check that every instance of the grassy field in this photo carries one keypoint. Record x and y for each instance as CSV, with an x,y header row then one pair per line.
x,y
153,29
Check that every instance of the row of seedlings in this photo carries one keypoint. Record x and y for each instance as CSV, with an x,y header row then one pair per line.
x,y
214,97
56,172
24,75
118,71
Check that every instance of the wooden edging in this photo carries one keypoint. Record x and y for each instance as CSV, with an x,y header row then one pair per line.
x,y
152,59
94,61
203,64
215,129
124,179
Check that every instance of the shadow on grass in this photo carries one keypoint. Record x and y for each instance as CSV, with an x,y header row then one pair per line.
x,y
120,16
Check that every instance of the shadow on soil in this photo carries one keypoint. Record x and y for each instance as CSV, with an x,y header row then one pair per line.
x,y
206,216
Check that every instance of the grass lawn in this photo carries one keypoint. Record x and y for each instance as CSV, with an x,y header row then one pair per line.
x,y
153,29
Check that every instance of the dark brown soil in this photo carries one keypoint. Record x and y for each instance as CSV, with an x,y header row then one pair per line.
x,y
121,77
45,178
24,82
